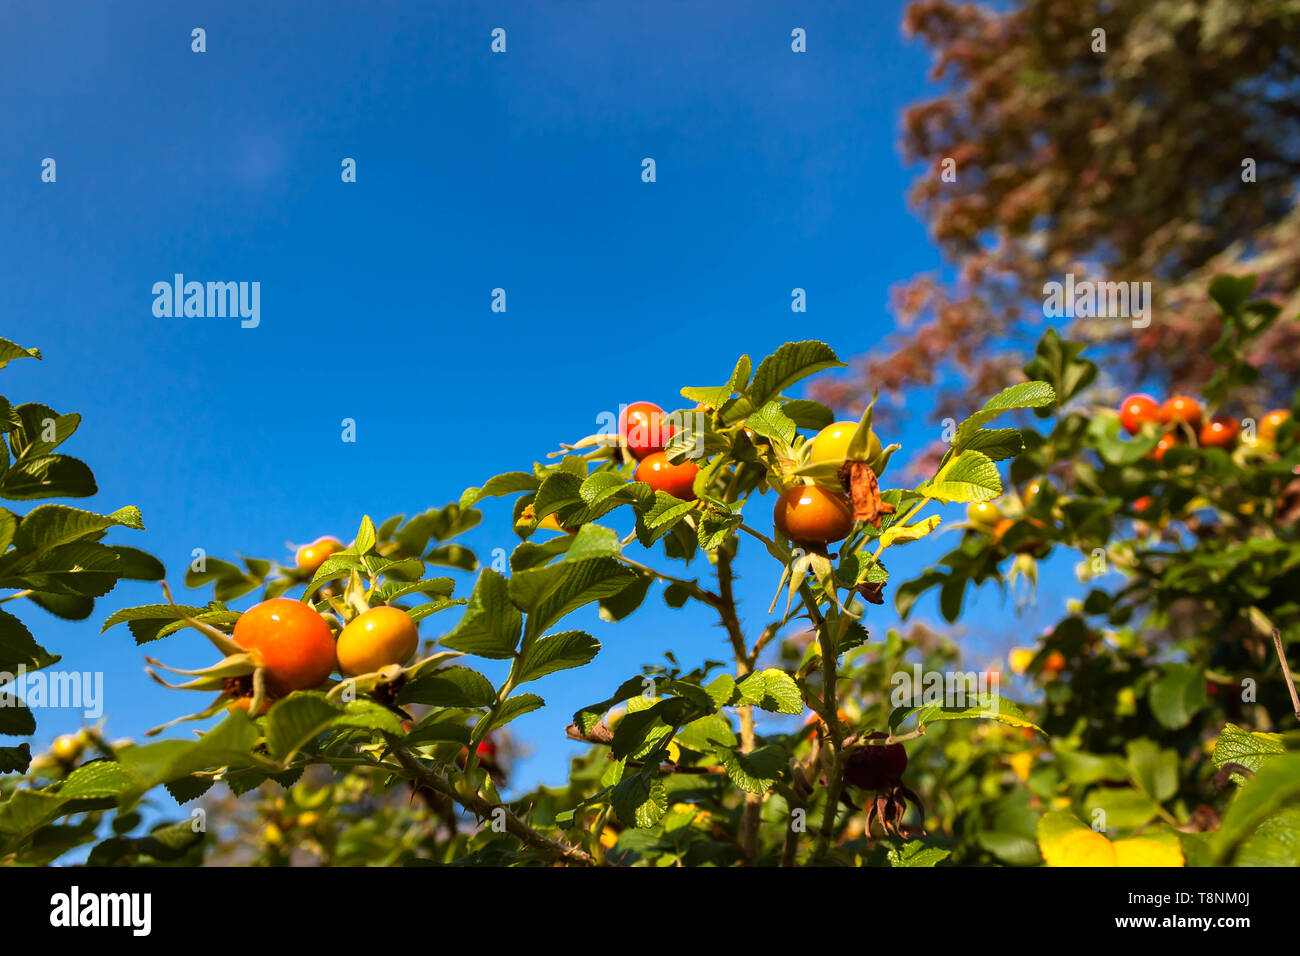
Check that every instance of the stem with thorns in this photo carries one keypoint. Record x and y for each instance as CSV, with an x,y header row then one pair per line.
x,y
482,808
830,716
751,816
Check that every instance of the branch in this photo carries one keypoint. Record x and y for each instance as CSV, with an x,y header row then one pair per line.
x,y
483,809
1286,671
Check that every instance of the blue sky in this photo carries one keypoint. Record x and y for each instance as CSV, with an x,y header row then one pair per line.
x,y
522,171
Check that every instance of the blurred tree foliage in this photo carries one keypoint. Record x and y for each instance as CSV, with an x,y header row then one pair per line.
x,y
1127,165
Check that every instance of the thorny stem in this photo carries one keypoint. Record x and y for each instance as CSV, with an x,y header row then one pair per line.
x,y
750,817
430,778
830,715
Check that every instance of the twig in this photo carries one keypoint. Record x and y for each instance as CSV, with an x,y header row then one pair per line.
x,y
483,809
752,814
1286,671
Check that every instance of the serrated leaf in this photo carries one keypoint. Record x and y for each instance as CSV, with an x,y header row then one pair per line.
x,y
9,351
366,536
639,800
549,593
902,534
771,422
491,624
556,652
19,648
516,706
496,487
771,689
449,687
1249,748
968,476
755,772
48,476
998,444
1024,395
790,363
999,709
295,720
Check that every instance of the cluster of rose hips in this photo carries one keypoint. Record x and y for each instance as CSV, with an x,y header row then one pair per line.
x,y
806,513
293,647
1183,419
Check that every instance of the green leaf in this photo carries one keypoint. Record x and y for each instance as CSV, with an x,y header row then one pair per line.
x,y
716,397
1024,395
491,624
1251,749
1274,789
556,652
366,536
808,414
1002,710
716,527
449,687
185,789
49,526
998,444
9,351
1083,768
452,556
902,534
438,726
561,490
1124,809
39,430
136,565
499,486
646,725
1177,695
516,706
711,732
100,778
660,517
639,800
771,422
589,716
297,719
771,689
917,853
229,744
16,719
968,476
1104,433
549,593
15,759
1155,770
49,476
787,365
1231,292
1275,842
1058,363
755,772
18,647
593,541
620,605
